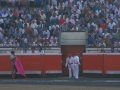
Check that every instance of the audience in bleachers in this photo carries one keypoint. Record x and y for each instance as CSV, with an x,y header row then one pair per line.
x,y
42,23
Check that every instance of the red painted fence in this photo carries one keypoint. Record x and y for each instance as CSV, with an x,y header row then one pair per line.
x,y
34,63
107,63
52,63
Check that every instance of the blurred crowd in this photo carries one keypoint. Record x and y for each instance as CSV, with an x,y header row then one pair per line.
x,y
41,23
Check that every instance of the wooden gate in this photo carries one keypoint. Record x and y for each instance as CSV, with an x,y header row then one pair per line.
x,y
72,49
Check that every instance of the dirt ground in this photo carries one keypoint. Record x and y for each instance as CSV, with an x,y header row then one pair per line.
x,y
51,87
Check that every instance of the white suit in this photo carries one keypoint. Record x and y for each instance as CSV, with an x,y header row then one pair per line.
x,y
76,66
70,65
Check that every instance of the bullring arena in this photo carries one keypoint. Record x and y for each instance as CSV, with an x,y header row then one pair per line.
x,y
60,44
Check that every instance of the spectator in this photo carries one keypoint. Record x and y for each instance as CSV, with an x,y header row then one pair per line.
x,y
54,40
25,40
102,50
70,26
54,19
32,50
11,39
113,39
42,15
33,25
82,27
116,43
61,21
102,44
114,30
4,15
28,30
15,12
47,32
75,28
32,42
8,43
22,43
11,2
15,43
1,33
25,50
64,27
41,51
11,30
45,40
112,50
90,40
118,34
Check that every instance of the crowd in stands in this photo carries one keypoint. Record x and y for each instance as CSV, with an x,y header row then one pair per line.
x,y
28,26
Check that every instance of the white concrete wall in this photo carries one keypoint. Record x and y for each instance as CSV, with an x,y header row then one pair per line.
x,y
73,38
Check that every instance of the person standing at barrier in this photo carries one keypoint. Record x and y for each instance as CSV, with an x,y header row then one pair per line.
x,y
76,65
25,50
113,50
102,50
70,65
32,50
12,58
41,51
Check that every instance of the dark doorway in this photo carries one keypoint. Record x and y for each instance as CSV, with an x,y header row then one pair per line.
x,y
72,49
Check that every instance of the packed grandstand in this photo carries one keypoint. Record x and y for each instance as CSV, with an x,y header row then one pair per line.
x,y
42,21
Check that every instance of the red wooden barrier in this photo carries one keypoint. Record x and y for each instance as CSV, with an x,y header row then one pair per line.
x,y
112,63
92,63
33,63
52,64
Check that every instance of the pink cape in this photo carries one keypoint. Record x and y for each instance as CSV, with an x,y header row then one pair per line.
x,y
19,67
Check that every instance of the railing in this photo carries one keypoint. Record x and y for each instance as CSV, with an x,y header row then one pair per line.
x,y
98,49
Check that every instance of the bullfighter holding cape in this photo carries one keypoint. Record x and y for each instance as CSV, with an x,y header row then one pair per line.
x,y
16,65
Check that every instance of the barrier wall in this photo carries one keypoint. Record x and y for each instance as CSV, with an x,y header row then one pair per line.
x,y
108,63
33,63
92,63
112,63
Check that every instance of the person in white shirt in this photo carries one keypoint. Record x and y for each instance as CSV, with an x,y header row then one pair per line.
x,y
75,28
74,14
4,15
32,42
25,39
8,43
76,65
116,43
25,50
35,32
43,16
41,51
102,44
16,43
111,24
32,50
70,65
53,41
79,3
47,32
33,25
105,33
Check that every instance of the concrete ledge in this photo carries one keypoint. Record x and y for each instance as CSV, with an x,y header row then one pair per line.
x,y
92,71
26,72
